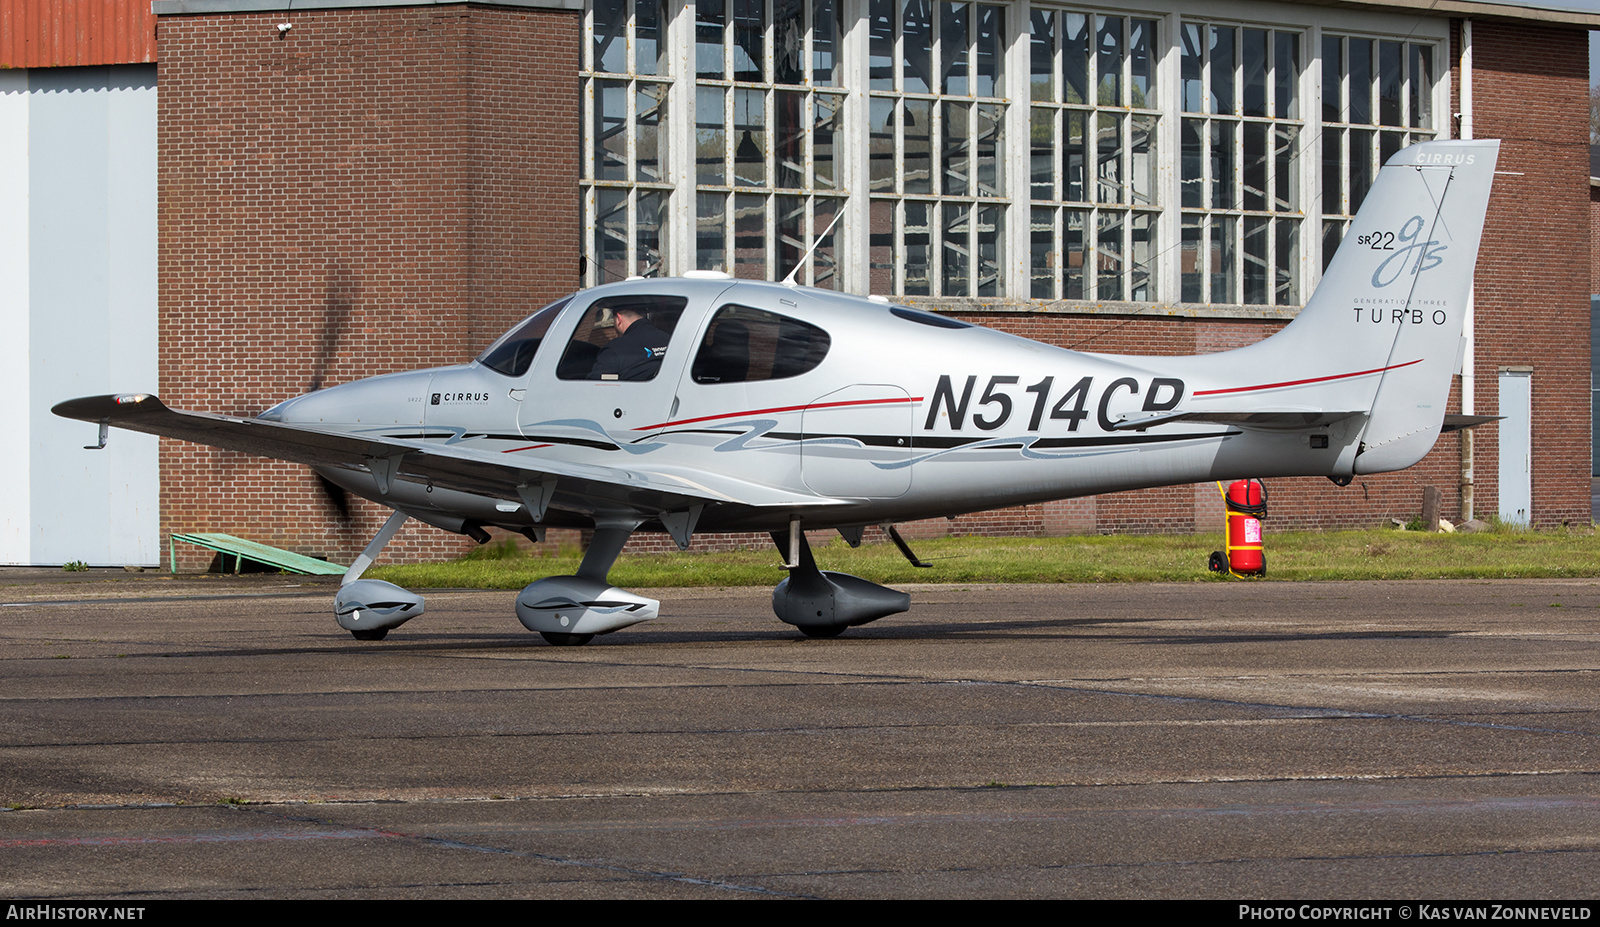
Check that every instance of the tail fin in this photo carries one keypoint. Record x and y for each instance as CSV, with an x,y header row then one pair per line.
x,y
1433,263
1382,333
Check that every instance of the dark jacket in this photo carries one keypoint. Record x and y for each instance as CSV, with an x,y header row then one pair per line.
x,y
633,355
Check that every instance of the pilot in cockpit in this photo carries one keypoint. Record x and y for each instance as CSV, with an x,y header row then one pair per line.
x,y
635,353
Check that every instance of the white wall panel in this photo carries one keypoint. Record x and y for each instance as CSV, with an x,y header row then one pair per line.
x,y
92,309
14,464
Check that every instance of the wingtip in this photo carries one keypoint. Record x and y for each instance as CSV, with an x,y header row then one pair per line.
x,y
113,406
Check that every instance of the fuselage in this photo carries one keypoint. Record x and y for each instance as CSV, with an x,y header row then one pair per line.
x,y
896,413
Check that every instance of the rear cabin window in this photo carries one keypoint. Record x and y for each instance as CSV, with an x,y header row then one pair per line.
x,y
744,344
600,349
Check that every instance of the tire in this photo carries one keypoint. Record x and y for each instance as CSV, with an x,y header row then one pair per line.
x,y
563,639
822,631
1218,562
371,634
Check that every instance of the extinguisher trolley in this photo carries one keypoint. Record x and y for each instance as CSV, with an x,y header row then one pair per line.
x,y
1246,501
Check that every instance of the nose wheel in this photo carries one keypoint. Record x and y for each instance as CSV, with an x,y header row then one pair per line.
x,y
368,608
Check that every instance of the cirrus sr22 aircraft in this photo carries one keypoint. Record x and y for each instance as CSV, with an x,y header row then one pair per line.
x,y
778,408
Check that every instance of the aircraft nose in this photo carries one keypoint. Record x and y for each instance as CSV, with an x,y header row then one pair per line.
x,y
309,409
393,399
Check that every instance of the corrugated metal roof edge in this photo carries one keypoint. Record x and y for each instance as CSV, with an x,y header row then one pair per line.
x,y
75,33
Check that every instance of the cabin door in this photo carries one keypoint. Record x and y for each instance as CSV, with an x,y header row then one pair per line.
x,y
856,442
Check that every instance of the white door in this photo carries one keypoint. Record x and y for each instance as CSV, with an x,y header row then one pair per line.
x,y
1516,446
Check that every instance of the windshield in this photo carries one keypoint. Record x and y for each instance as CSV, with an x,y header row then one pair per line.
x,y
513,353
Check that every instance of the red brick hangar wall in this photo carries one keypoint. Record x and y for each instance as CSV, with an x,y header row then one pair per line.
x,y
376,190
1529,85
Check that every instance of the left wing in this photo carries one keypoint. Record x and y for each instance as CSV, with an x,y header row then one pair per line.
x,y
507,476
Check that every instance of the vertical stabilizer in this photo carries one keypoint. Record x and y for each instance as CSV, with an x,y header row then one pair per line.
x,y
1382,333
1432,265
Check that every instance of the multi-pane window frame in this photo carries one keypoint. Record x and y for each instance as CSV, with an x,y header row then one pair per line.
x,y
938,196
873,223
1240,172
768,138
1360,129
624,183
1093,224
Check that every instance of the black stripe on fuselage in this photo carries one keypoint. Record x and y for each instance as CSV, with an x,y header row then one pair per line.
x,y
927,442
520,439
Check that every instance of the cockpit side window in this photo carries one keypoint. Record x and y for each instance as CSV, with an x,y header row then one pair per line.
x,y
744,344
621,338
512,353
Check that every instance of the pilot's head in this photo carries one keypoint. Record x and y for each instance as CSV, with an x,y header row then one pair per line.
x,y
626,318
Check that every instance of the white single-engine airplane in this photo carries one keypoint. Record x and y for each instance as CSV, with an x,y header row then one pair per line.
x,y
708,403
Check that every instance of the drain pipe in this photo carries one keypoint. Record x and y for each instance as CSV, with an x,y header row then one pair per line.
x,y
1469,392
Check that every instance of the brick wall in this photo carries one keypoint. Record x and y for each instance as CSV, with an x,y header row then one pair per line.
x,y
1530,85
377,190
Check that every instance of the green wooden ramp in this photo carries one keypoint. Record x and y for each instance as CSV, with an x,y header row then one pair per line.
x,y
240,550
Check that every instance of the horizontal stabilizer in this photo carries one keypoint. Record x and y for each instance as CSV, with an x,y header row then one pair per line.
x,y
1463,422
1278,419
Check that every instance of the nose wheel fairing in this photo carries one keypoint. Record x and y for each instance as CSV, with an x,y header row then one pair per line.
x,y
368,606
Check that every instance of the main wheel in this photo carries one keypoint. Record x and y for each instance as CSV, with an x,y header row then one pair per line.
x,y
822,630
1218,563
371,634
563,639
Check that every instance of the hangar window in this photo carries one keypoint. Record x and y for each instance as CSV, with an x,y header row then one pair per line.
x,y
1377,98
768,104
1092,156
743,344
996,151
1240,140
936,147
624,182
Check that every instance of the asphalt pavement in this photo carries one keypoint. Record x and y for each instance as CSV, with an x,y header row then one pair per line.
x,y
220,737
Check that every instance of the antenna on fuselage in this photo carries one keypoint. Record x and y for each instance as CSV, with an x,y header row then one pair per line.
x,y
789,280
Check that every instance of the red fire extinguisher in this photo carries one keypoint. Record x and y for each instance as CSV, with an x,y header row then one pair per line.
x,y
1246,501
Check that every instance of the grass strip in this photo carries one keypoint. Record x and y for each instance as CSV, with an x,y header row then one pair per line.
x,y
1296,555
